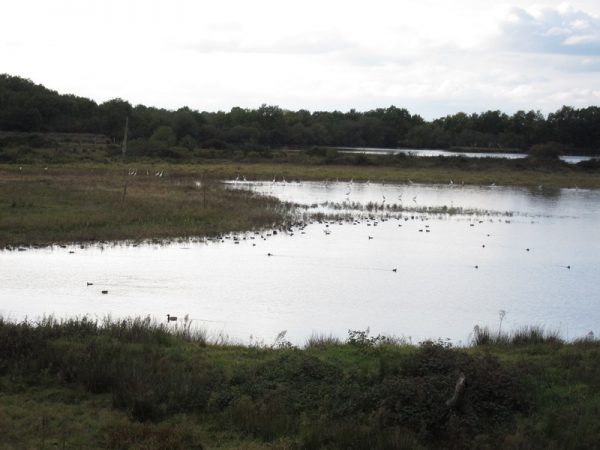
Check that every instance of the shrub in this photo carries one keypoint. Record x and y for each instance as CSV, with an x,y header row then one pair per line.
x,y
549,150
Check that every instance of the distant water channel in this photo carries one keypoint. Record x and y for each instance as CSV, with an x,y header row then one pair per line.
x,y
336,275
571,159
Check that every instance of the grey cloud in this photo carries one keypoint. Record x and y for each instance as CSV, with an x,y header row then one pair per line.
x,y
556,31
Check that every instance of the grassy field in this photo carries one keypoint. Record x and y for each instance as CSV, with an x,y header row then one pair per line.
x,y
418,170
59,205
138,384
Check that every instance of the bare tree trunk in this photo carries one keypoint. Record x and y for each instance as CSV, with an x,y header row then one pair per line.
x,y
124,145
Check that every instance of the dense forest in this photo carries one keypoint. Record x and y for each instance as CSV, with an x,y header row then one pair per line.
x,y
27,107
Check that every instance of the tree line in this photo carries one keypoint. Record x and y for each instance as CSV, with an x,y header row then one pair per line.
x,y
28,107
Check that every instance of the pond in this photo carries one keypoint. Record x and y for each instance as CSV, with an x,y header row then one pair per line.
x,y
414,261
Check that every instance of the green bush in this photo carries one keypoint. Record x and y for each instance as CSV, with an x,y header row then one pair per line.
x,y
549,150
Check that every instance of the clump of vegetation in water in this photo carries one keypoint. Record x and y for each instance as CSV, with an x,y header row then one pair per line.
x,y
400,207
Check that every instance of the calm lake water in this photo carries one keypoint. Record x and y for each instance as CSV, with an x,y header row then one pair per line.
x,y
331,277
571,159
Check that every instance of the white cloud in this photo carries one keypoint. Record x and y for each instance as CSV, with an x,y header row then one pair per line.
x,y
319,42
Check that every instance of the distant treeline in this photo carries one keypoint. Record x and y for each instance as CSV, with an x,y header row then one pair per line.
x,y
27,107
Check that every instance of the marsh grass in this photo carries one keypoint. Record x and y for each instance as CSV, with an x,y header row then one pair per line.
x,y
441,172
85,202
375,207
86,205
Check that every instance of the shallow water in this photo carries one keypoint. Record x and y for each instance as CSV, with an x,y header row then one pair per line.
x,y
329,278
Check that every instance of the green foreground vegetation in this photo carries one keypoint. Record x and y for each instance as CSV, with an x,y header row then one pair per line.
x,y
138,384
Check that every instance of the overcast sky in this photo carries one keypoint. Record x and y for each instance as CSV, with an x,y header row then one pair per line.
x,y
434,57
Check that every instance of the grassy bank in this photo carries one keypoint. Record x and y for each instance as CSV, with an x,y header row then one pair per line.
x,y
58,205
485,174
138,384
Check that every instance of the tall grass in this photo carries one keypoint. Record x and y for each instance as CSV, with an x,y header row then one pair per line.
x,y
525,335
321,340
130,329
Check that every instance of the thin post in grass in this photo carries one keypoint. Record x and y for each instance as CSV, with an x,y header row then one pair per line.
x,y
19,203
123,154
203,181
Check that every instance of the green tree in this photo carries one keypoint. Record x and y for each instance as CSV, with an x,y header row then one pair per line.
x,y
164,136
113,114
